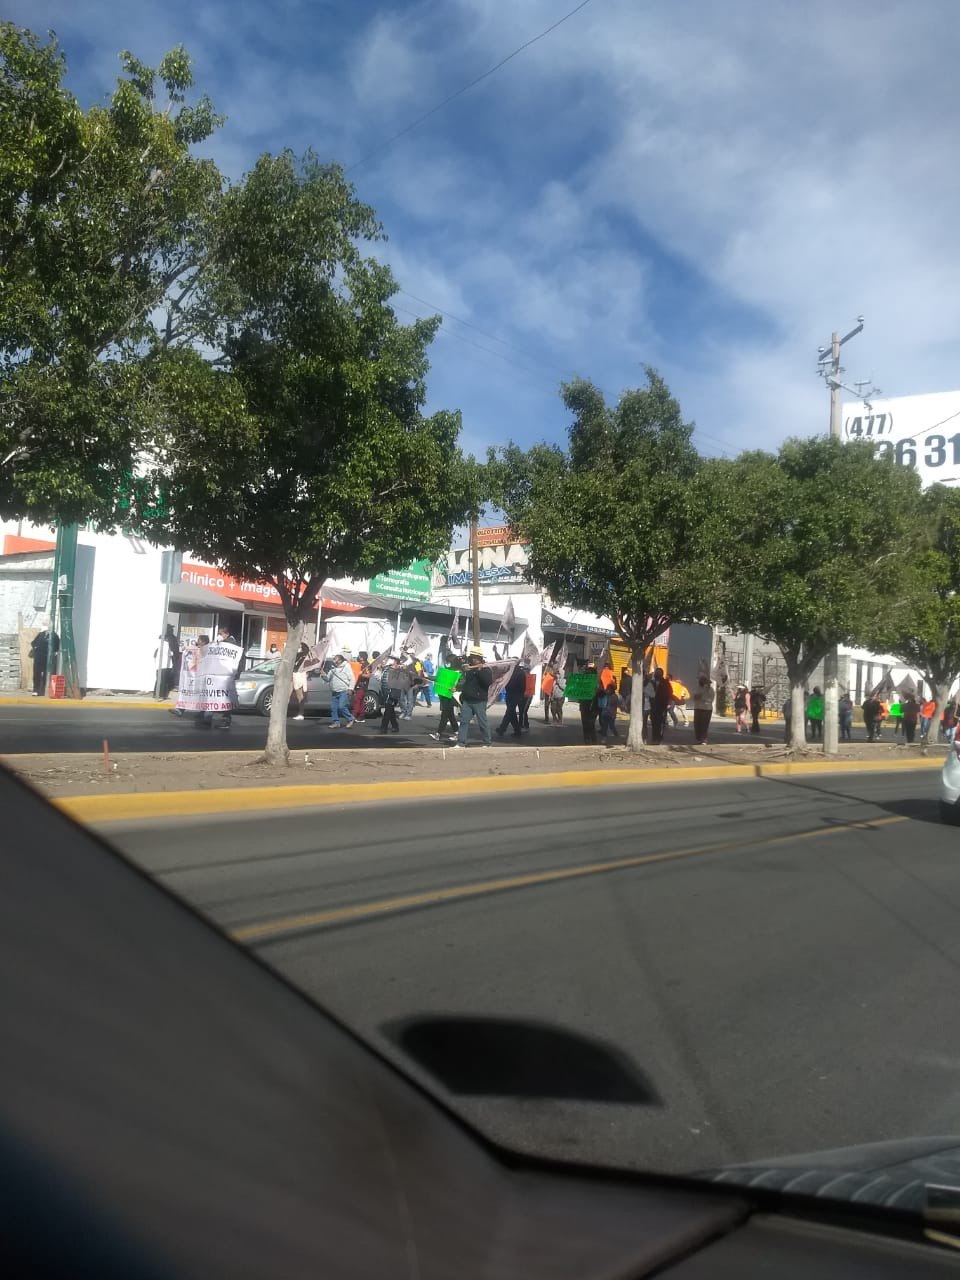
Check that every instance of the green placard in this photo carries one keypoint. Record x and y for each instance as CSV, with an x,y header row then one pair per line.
x,y
411,583
446,681
581,686
896,710
815,707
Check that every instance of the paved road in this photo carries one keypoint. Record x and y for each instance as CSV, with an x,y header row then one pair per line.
x,y
44,728
785,982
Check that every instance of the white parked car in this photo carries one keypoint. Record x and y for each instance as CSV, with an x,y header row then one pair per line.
x,y
950,785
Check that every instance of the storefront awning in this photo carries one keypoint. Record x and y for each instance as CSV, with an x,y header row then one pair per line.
x,y
551,621
184,595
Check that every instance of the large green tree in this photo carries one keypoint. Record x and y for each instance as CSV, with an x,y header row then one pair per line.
x,y
617,522
103,216
816,544
921,623
294,448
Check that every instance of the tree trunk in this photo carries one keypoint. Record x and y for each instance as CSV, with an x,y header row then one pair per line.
x,y
276,751
938,692
831,714
635,733
798,716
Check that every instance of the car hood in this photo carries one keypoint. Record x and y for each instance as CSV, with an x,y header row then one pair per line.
x,y
891,1175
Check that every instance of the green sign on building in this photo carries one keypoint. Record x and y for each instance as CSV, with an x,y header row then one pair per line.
x,y
411,583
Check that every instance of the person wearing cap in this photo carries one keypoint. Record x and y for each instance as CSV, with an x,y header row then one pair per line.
x,y
477,679
341,682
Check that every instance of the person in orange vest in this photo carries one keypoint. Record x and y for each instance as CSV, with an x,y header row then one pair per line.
x,y
529,690
547,681
607,677
926,715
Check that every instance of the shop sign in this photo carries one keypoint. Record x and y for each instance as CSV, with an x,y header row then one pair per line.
x,y
224,584
499,562
411,583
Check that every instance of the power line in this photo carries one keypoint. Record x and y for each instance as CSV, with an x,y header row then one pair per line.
x,y
448,333
407,128
486,334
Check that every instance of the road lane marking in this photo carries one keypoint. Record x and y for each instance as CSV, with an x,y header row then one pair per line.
x,y
433,897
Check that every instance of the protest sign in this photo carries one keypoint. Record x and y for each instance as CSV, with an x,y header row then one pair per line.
x,y
502,671
581,686
446,681
218,670
188,697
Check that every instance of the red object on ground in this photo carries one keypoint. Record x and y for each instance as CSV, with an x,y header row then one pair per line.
x,y
57,684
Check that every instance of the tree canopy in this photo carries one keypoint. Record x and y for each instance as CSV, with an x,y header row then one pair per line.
x,y
618,522
296,448
817,541
921,625
102,218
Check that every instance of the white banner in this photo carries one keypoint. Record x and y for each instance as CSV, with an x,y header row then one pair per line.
x,y
208,678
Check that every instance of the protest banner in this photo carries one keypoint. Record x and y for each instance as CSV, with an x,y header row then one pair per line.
x,y
218,672
581,686
446,681
188,696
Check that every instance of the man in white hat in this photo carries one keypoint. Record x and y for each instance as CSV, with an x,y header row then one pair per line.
x,y
477,679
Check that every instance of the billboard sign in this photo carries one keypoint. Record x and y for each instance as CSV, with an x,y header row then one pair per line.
x,y
501,563
922,432
411,583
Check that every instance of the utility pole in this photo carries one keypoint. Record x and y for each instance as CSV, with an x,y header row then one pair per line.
x,y
830,369
475,566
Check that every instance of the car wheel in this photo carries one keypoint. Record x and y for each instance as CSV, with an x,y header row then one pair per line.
x,y
265,701
950,813
371,705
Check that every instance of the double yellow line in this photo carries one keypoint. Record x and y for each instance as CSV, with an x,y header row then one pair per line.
x,y
433,897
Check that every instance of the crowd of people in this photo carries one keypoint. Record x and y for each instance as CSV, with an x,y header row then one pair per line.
x,y
390,686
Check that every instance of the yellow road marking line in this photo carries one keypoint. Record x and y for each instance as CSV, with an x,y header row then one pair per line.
x,y
430,897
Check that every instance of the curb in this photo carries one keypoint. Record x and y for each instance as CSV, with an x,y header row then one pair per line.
x,y
236,800
58,704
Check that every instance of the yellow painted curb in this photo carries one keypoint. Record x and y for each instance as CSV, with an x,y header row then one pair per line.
x,y
235,800
788,767
58,704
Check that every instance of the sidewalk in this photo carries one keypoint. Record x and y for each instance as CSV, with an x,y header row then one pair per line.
x,y
96,698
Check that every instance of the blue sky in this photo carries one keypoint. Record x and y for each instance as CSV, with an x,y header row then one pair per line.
x,y
707,188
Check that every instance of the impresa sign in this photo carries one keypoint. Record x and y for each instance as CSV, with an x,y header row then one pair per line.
x,y
501,563
922,432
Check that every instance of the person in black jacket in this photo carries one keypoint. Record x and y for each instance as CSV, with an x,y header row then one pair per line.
x,y
477,679
43,649
515,692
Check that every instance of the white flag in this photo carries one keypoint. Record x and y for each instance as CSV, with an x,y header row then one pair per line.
x,y
509,619
416,641
317,655
454,634
531,654
502,671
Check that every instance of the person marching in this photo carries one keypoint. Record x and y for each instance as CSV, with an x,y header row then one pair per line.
x,y
300,681
547,681
702,710
341,682
477,679
389,697
609,702
448,716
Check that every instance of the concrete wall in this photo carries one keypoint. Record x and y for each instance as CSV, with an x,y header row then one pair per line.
x,y
126,612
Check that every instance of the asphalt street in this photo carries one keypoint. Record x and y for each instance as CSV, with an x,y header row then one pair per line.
x,y
46,728
776,959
